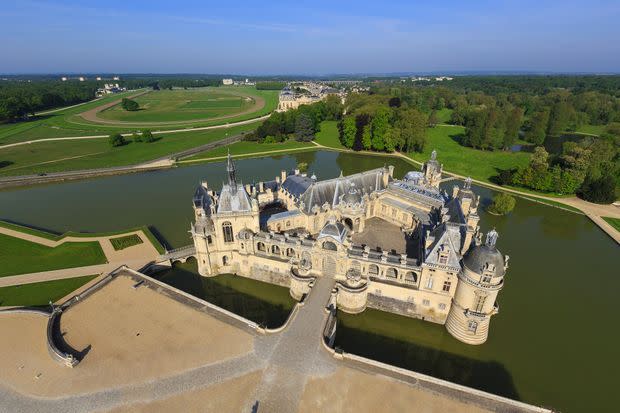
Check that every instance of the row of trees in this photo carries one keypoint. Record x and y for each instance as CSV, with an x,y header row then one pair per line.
x,y
116,139
302,123
589,167
20,99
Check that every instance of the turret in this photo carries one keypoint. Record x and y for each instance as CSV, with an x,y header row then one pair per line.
x,y
480,280
432,170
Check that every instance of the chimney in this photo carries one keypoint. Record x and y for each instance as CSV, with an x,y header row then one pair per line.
x,y
283,175
261,187
204,184
296,171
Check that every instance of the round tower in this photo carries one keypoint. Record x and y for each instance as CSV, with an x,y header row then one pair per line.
x,y
480,280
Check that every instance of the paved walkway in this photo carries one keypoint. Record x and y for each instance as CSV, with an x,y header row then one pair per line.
x,y
135,257
297,354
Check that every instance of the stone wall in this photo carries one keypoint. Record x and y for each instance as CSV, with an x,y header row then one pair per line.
x,y
269,276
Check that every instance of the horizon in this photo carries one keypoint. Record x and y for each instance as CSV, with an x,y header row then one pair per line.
x,y
82,37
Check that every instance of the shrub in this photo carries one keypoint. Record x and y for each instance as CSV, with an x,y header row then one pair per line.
x,y
116,139
147,136
136,137
130,105
601,190
502,204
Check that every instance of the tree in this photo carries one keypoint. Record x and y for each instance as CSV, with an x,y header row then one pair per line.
x,y
601,190
147,136
366,138
333,107
411,124
502,204
379,125
116,139
304,128
559,118
433,120
136,137
348,131
536,132
302,166
514,119
129,105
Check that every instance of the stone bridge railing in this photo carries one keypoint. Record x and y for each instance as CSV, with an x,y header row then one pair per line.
x,y
178,253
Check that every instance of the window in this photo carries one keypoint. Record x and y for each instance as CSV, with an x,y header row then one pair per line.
x,y
479,304
391,273
228,232
260,246
411,277
446,286
426,302
472,326
442,306
290,252
225,260
328,245
373,269
209,239
275,249
486,279
443,258
429,283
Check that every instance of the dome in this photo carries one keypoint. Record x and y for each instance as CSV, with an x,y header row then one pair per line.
x,y
478,257
352,196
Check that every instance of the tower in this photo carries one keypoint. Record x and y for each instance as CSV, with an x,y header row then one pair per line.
x,y
480,280
432,170
232,179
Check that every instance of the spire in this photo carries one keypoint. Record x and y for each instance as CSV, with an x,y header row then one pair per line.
x,y
230,169
434,155
491,238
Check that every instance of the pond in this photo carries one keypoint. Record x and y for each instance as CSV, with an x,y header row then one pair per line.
x,y
553,342
266,304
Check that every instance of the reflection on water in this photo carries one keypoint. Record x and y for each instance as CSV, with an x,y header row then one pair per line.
x,y
266,304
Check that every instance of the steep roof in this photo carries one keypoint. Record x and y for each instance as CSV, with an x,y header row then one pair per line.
x,y
446,238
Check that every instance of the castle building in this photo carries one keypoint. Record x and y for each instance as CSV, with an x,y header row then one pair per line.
x,y
402,246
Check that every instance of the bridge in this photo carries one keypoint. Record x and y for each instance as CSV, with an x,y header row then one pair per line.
x,y
178,254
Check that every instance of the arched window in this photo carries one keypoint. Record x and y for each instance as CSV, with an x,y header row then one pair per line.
x,y
373,269
209,239
328,245
472,326
260,246
275,249
411,277
391,273
228,232
290,252
225,260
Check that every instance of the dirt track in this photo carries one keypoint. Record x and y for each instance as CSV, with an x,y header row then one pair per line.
x,y
91,115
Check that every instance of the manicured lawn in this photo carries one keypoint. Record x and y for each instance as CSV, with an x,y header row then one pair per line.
x,y
466,161
592,129
248,147
614,222
19,256
59,156
443,115
183,105
329,135
41,293
127,241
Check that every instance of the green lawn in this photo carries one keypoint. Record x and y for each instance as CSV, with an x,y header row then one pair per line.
x,y
67,122
329,135
481,165
614,222
248,147
127,241
54,237
41,293
59,156
19,256
443,115
184,105
592,129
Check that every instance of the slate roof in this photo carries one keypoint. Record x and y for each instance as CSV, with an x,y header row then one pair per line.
x,y
449,237
479,256
296,185
229,201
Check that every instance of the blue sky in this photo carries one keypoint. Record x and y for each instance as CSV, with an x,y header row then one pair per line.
x,y
318,37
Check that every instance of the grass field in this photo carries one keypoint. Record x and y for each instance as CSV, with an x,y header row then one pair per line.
x,y
466,161
329,135
19,256
41,293
248,147
67,122
183,105
614,222
56,156
126,241
443,115
55,237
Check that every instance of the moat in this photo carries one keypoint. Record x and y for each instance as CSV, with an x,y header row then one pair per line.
x,y
553,342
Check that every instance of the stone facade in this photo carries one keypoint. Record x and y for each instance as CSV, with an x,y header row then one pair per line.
x,y
402,246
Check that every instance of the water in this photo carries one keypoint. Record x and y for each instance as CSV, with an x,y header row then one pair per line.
x,y
553,342
266,304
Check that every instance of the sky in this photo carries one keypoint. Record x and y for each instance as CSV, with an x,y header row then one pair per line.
x,y
308,37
